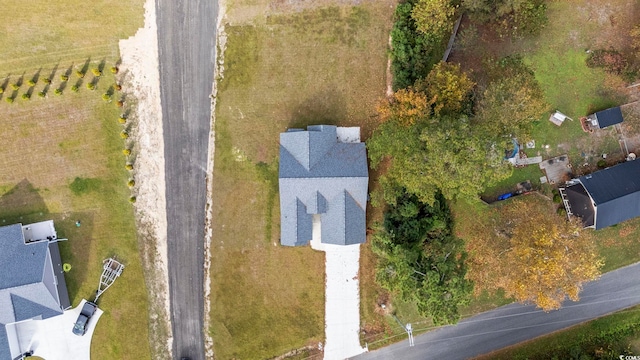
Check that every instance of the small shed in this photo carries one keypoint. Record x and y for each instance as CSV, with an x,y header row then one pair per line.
x,y
605,118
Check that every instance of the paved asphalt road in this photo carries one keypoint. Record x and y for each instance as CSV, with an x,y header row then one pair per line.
x,y
186,43
515,323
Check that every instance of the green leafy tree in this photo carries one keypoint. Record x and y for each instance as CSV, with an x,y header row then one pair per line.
x,y
511,104
421,260
447,87
57,91
96,72
433,17
510,17
64,77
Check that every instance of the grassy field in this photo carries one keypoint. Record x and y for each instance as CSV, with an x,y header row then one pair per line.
x,y
284,67
609,337
41,33
62,154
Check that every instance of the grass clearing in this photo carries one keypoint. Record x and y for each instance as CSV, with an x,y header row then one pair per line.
x,y
319,65
62,154
42,33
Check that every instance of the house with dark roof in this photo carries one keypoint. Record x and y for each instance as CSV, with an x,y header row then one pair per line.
x,y
323,181
606,197
32,285
605,118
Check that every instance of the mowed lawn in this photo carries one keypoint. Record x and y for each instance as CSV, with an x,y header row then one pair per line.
x,y
41,33
317,65
62,157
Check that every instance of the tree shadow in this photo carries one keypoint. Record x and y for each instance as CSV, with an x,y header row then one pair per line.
x,y
30,91
63,85
68,71
45,90
110,91
85,66
23,204
325,107
78,83
53,73
20,80
102,65
5,83
36,77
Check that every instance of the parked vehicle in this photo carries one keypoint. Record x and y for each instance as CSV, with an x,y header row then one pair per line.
x,y
80,327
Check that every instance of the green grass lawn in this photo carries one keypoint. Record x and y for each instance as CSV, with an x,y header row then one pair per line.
x,y
62,154
316,65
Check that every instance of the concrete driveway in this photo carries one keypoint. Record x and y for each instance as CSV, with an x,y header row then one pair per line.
x,y
52,339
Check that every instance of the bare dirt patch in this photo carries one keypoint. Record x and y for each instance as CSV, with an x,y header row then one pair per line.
x,y
140,73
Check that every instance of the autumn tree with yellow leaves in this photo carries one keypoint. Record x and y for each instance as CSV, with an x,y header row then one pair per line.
x,y
533,254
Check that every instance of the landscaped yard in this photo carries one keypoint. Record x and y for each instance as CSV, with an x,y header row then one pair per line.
x,y
62,158
319,64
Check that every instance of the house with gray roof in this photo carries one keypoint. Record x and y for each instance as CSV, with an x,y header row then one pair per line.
x,y
323,181
605,197
32,285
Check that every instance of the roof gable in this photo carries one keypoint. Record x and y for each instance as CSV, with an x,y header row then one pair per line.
x,y
26,309
333,185
20,263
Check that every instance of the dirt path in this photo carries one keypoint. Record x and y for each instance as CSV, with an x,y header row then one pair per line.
x,y
140,75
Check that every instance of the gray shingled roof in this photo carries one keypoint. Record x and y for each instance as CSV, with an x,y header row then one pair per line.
x,y
31,285
615,192
609,117
321,176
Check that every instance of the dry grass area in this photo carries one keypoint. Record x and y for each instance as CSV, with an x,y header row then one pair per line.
x,y
51,141
41,33
284,66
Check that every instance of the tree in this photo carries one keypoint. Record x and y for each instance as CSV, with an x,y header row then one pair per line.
x,y
510,17
534,255
444,153
406,106
447,87
421,260
97,72
511,104
433,17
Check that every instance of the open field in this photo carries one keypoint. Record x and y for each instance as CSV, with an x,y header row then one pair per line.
x,y
42,33
62,154
323,63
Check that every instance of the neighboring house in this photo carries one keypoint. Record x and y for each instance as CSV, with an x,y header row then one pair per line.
x,y
32,285
606,197
323,185
605,118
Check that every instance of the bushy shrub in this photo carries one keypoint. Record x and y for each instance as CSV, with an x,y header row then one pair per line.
x,y
91,86
106,97
64,77
75,88
611,61
9,99
413,53
31,83
557,198
114,69
601,163
124,135
122,120
26,96
126,152
132,199
129,167
131,183
79,74
46,80
42,94
117,86
96,72
120,103
561,211
57,91
15,86
1,90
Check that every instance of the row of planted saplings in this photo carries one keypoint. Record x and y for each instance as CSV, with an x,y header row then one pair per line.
x,y
64,78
